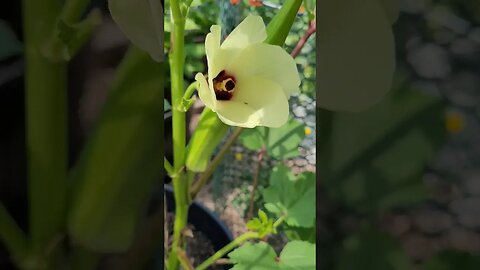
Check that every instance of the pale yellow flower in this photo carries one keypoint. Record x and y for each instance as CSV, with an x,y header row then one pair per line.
x,y
249,82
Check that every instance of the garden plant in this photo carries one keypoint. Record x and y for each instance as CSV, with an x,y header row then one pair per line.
x,y
78,216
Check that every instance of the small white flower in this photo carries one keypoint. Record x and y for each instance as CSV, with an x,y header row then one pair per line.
x,y
249,82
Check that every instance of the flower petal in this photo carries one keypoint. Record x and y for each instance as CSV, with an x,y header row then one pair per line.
x,y
212,41
250,31
217,58
236,113
268,61
206,94
266,97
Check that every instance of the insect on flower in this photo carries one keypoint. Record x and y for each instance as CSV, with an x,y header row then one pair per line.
x,y
248,82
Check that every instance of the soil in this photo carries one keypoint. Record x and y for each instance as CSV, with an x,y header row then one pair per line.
x,y
199,247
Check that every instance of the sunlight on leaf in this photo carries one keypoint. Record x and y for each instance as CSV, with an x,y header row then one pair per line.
x,y
292,196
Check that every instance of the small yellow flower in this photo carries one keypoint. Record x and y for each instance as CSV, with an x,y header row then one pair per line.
x,y
455,122
308,131
249,82
238,156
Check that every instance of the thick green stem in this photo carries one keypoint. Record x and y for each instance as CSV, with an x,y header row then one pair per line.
x,y
178,117
219,254
180,183
46,124
180,191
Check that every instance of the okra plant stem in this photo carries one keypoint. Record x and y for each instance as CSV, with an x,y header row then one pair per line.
x,y
219,254
46,124
180,183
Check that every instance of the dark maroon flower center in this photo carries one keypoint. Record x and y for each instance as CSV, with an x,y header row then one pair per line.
x,y
224,85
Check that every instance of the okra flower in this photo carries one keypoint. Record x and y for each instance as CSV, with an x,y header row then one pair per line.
x,y
248,82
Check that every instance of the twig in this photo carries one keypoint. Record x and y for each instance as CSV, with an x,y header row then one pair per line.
x,y
184,261
223,261
255,182
312,28
219,254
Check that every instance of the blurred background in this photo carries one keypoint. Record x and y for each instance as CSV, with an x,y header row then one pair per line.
x,y
90,75
399,184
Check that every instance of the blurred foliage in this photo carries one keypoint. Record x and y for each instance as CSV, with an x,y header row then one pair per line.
x,y
370,249
453,260
363,155
120,163
378,159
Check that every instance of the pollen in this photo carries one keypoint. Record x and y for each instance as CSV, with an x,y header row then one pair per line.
x,y
224,86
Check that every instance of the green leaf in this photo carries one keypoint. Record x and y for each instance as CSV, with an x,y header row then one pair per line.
x,y
298,255
260,256
263,216
263,225
295,255
370,249
9,44
356,45
253,138
453,260
122,159
291,196
279,26
281,143
142,23
254,225
299,233
208,134
363,154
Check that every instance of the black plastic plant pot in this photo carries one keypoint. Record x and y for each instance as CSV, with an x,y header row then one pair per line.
x,y
205,221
